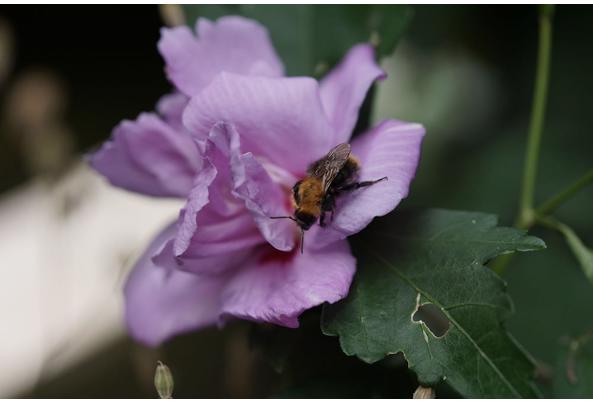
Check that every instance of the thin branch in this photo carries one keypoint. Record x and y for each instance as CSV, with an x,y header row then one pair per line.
x,y
525,218
554,202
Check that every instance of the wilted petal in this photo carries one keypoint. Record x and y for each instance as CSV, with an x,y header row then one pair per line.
x,y
149,156
276,287
280,119
343,90
162,303
232,44
253,185
391,149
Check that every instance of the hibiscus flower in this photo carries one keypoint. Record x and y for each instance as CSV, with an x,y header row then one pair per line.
x,y
233,140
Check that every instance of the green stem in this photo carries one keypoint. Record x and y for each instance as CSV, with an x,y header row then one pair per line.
x,y
551,204
582,253
550,223
526,215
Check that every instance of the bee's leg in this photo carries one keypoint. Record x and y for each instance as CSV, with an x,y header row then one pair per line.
x,y
332,209
328,205
357,185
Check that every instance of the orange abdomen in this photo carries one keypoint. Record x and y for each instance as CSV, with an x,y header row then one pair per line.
x,y
310,195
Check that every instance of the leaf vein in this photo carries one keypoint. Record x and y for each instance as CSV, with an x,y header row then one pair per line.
x,y
496,370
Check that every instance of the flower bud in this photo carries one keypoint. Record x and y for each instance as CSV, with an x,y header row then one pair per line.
x,y
163,380
423,392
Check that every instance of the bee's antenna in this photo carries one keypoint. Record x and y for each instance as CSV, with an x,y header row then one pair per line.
x,y
302,240
283,217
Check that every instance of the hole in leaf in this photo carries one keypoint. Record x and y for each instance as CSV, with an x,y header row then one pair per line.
x,y
434,318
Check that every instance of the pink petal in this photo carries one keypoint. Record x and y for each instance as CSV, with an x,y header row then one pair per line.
x,y
343,90
161,303
391,149
150,157
252,184
232,44
279,119
276,287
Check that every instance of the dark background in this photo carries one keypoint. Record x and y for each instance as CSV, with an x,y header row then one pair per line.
x,y
106,58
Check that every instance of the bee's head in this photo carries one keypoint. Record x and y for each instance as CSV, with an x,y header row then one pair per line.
x,y
304,220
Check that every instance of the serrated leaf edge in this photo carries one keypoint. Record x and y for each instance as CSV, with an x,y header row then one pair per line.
x,y
453,323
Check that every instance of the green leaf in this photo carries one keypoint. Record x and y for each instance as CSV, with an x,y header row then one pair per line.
x,y
574,369
211,11
437,258
312,38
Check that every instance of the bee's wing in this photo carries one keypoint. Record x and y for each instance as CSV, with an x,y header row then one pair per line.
x,y
329,166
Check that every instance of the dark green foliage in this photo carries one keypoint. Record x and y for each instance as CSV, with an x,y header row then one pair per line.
x,y
437,257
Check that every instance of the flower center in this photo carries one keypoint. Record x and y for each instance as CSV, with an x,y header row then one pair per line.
x,y
272,255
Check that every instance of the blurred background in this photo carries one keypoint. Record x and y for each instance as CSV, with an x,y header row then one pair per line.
x,y
69,74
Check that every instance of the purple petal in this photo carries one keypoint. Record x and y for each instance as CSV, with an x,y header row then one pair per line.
x,y
391,149
232,44
170,107
276,287
214,221
279,119
343,90
161,303
253,185
198,198
221,235
150,157
211,258
264,199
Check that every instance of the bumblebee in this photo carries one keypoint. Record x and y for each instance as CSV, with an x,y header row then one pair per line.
x,y
327,178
